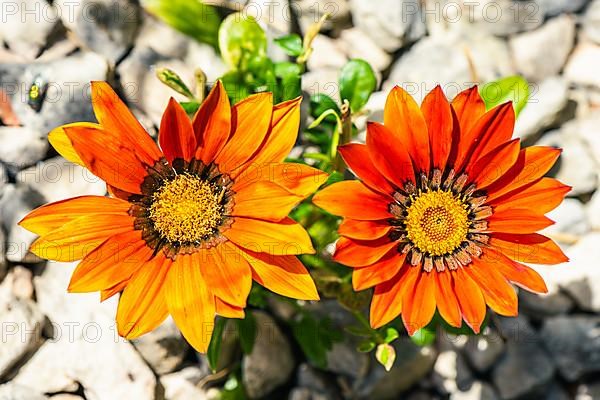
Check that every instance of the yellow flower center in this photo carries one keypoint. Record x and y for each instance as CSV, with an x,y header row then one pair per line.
x,y
437,222
186,209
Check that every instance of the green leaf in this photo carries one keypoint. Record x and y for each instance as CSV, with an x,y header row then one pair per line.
x,y
291,44
315,337
214,348
512,88
247,332
358,330
334,177
190,107
391,334
258,296
289,75
241,40
193,18
386,355
365,346
234,84
424,336
319,103
357,82
174,81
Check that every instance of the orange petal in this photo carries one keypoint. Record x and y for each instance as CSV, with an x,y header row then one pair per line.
x,y
497,292
282,238
62,144
517,273
284,275
176,135
264,200
532,248
285,124
75,239
438,118
49,217
418,302
445,298
491,167
227,310
116,119
382,271
490,131
354,200
387,297
142,306
360,253
251,122
114,261
469,108
108,293
403,116
227,273
296,178
470,299
542,196
109,157
517,220
532,164
364,230
212,124
357,158
190,301
388,154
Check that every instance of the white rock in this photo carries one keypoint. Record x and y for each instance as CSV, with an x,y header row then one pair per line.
x,y
179,387
16,201
570,218
588,129
542,53
164,348
391,23
357,44
277,14
326,54
593,211
580,277
308,12
591,21
443,60
322,81
58,179
26,25
111,368
271,362
21,147
583,65
555,7
576,166
13,391
544,108
107,27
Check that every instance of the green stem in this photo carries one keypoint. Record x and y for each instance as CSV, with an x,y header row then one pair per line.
x,y
346,135
363,321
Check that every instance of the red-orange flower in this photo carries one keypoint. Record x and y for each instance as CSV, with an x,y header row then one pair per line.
x,y
189,225
446,208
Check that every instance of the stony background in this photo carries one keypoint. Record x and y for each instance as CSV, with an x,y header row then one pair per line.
x,y
61,346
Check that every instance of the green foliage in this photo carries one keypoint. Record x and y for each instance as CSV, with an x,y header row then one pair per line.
x,y
193,18
291,44
424,336
233,389
214,348
386,355
190,107
247,332
241,41
512,88
357,82
315,337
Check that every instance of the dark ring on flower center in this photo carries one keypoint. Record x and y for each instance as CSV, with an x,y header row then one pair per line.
x,y
439,222
184,206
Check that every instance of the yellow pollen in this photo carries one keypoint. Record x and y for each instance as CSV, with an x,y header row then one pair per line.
x,y
437,222
186,209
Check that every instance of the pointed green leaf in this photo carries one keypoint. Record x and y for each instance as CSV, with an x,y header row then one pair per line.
x,y
214,348
357,82
366,346
193,18
241,41
247,332
386,355
391,334
291,44
512,88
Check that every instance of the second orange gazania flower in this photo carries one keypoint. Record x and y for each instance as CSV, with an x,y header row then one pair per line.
x,y
189,225
446,209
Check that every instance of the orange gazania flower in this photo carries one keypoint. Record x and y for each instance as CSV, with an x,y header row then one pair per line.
x,y
446,208
189,225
